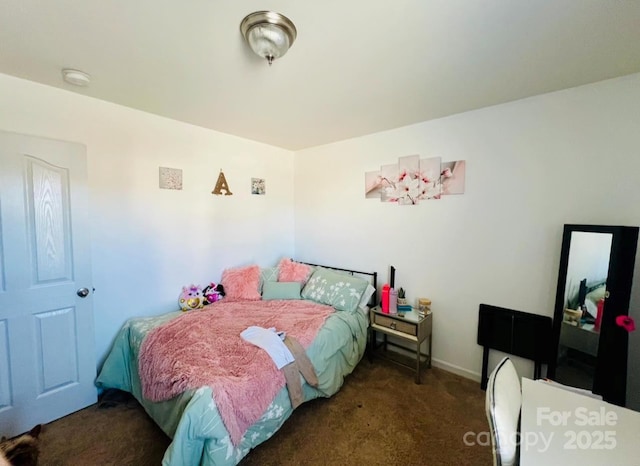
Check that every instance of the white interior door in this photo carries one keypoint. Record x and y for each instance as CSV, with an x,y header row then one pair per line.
x,y
47,353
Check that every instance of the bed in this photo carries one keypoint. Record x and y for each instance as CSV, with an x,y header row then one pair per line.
x,y
192,418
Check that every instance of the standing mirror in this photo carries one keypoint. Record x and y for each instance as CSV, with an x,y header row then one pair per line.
x,y
594,287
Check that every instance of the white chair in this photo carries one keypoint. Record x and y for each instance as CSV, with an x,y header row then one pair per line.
x,y
503,403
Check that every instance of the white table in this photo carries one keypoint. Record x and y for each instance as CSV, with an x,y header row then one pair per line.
x,y
560,427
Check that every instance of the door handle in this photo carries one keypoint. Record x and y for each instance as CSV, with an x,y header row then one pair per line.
x,y
83,292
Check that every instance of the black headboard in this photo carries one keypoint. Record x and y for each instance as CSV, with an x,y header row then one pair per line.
x,y
582,292
371,276
515,332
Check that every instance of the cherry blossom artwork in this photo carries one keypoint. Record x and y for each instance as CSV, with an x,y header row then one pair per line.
x,y
452,177
387,174
414,179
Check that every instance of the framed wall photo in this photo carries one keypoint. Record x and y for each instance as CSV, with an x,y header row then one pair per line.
x,y
170,178
258,186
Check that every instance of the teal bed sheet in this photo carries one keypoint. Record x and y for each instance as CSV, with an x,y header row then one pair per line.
x,y
191,419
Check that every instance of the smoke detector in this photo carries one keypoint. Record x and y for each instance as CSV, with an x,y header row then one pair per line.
x,y
76,77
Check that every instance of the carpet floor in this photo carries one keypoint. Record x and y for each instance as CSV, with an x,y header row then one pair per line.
x,y
379,417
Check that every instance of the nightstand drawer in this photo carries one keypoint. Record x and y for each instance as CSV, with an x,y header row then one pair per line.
x,y
395,324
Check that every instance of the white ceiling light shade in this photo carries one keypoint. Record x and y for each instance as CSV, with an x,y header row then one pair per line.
x,y
269,34
76,77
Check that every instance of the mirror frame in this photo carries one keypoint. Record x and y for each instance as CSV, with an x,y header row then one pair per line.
x,y
611,367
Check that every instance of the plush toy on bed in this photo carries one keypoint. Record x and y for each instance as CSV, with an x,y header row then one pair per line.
x,y
213,293
191,297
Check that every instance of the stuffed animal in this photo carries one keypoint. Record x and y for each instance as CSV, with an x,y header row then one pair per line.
x,y
212,293
191,298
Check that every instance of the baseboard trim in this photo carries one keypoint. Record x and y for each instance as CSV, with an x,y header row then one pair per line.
x,y
440,364
461,371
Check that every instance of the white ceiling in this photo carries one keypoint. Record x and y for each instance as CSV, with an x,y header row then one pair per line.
x,y
357,66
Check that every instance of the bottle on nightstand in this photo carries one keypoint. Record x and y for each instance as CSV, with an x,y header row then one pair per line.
x,y
424,306
393,301
384,298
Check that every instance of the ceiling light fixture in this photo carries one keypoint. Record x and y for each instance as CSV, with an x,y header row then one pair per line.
x,y
269,34
76,77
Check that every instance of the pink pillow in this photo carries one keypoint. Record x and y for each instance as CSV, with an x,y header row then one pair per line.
x,y
293,271
241,283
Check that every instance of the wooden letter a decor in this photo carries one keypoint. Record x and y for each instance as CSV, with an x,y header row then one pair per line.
x,y
221,185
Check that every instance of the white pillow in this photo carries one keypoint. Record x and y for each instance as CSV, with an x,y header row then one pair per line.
x,y
592,308
366,296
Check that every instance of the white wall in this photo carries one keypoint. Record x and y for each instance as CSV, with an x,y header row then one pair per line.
x,y
532,166
147,242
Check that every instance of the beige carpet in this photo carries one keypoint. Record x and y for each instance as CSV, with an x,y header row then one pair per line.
x,y
379,417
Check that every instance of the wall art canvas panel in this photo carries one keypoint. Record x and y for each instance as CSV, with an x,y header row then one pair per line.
x,y
408,189
170,178
258,186
414,179
372,185
430,176
388,173
453,177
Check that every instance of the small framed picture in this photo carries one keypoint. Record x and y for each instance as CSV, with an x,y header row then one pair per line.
x,y
258,186
170,178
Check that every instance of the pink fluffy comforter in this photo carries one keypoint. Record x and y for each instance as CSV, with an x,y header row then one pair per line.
x,y
204,348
